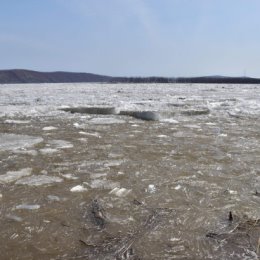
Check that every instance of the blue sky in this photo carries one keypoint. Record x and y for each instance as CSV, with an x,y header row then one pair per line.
x,y
132,37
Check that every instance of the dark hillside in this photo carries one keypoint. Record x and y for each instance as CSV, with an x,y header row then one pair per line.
x,y
28,76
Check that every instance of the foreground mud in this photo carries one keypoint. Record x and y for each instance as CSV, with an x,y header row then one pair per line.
x,y
111,186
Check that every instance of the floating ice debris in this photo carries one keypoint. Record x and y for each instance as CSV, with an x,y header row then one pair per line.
x,y
232,192
14,236
114,163
178,187
28,206
14,217
77,125
104,184
97,175
193,126
83,133
170,120
151,188
106,121
177,248
69,176
174,239
60,144
162,136
1,196
38,180
120,192
8,121
95,134
15,175
48,151
222,135
53,198
14,142
78,188
28,152
49,128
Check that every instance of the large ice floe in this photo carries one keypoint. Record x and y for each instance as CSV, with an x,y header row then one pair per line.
x,y
12,176
14,141
38,180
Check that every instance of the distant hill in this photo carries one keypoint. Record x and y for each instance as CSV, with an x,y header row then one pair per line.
x,y
29,76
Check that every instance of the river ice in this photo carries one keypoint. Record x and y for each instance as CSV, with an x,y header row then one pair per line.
x,y
164,164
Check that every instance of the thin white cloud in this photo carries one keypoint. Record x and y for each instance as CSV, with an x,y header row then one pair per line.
x,y
117,11
146,17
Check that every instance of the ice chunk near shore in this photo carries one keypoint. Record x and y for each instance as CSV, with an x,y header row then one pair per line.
x,y
12,176
9,142
38,180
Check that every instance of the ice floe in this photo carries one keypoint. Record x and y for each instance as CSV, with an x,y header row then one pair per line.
x,y
95,134
78,188
120,192
14,217
104,184
26,152
69,176
53,198
12,176
49,128
106,121
9,121
48,151
151,188
38,180
13,142
28,206
60,144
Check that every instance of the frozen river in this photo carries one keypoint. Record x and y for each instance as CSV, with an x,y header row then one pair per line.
x,y
137,171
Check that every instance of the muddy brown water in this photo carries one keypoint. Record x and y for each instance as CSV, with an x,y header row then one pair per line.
x,y
162,188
